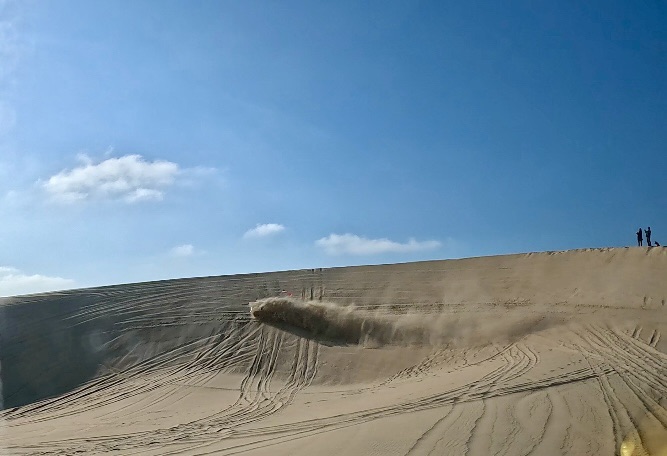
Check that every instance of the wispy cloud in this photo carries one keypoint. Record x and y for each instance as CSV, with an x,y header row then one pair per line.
x,y
264,230
351,244
129,178
182,250
14,282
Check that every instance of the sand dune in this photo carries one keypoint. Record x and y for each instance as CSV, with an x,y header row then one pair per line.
x,y
544,353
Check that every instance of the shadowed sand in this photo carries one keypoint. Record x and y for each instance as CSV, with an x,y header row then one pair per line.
x,y
544,353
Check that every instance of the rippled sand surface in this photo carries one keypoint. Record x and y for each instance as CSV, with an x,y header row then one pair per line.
x,y
544,353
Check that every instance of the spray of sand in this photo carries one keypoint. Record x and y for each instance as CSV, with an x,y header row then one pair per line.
x,y
353,325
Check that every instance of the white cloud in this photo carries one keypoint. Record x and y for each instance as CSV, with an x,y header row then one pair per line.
x,y
264,230
144,194
129,178
85,159
14,282
182,250
337,244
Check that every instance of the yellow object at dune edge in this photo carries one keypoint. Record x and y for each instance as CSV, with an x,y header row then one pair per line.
x,y
654,442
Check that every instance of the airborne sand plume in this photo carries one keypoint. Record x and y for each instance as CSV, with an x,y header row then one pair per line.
x,y
540,353
350,324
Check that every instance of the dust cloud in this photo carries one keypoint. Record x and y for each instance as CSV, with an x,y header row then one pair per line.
x,y
354,325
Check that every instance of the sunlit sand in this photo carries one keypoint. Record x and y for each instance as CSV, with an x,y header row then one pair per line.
x,y
542,353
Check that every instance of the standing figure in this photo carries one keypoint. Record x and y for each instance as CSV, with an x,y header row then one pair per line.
x,y
639,237
647,232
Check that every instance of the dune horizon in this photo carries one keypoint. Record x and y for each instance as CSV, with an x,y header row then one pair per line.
x,y
557,352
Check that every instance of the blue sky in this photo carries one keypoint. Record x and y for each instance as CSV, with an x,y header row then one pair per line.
x,y
144,140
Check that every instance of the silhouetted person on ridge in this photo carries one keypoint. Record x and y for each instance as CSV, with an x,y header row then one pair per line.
x,y
648,236
639,237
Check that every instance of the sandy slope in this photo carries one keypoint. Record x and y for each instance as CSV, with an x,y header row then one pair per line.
x,y
545,353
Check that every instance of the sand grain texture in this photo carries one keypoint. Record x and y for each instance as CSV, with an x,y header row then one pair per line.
x,y
545,354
